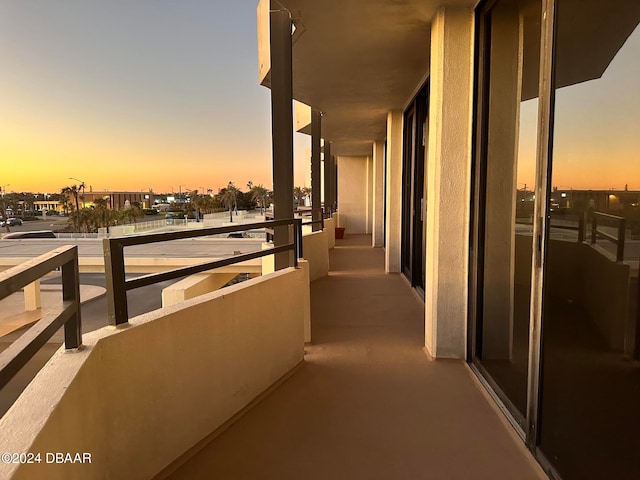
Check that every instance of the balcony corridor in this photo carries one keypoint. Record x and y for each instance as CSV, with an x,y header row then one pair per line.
x,y
367,403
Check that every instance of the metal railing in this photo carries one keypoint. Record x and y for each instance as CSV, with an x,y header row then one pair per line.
x,y
118,285
580,228
67,313
307,212
618,241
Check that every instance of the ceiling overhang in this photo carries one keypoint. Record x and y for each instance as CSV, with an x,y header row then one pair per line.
x,y
356,60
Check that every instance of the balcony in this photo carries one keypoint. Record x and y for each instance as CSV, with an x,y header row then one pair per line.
x,y
366,402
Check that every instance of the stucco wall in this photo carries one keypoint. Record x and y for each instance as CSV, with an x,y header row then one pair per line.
x,y
393,196
137,398
449,182
355,177
315,250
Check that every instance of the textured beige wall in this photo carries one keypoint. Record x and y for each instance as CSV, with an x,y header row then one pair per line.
x,y
449,182
137,398
377,221
330,228
193,286
315,250
354,194
394,192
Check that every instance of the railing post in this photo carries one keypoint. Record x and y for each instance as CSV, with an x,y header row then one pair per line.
x,y
581,225
594,228
621,234
321,218
298,228
71,292
117,311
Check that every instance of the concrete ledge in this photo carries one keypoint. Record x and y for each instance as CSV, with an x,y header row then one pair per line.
x,y
146,264
316,251
330,228
138,398
194,286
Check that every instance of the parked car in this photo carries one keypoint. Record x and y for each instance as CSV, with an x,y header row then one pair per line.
x,y
238,235
11,222
32,234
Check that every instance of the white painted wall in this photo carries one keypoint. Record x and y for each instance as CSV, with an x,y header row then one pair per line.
x,y
377,222
137,398
449,182
394,192
355,193
315,250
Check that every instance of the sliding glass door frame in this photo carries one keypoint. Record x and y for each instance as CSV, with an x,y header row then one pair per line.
x,y
527,427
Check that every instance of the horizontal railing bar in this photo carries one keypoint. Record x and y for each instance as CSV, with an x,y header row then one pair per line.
x,y
607,236
565,227
168,236
18,354
608,215
152,278
16,278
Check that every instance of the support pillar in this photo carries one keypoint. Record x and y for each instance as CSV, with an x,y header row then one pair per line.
x,y
449,182
316,131
377,224
328,204
393,222
282,128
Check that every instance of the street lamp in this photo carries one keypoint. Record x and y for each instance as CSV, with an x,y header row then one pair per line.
x,y
4,188
80,186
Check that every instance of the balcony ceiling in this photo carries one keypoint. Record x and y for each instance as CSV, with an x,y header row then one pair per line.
x,y
357,59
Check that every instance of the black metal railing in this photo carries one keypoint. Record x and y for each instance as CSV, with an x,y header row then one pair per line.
x,y
67,313
118,285
580,228
598,233
317,213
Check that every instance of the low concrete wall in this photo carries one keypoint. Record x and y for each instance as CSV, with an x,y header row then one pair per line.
x,y
315,250
194,286
330,228
579,273
137,398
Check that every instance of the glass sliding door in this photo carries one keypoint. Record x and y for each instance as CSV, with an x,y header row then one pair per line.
x,y
416,126
505,169
590,389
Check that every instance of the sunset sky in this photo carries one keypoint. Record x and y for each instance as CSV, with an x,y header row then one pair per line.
x,y
163,94
124,95
597,129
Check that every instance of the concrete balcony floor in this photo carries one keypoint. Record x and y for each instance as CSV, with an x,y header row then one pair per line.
x,y
368,403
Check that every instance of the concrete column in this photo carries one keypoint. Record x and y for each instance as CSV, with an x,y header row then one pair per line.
x,y
393,222
377,222
502,154
449,182
369,196
328,204
334,182
281,128
316,118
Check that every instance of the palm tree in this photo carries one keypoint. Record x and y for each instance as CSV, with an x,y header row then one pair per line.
x,y
73,190
298,195
102,212
228,197
306,194
259,194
